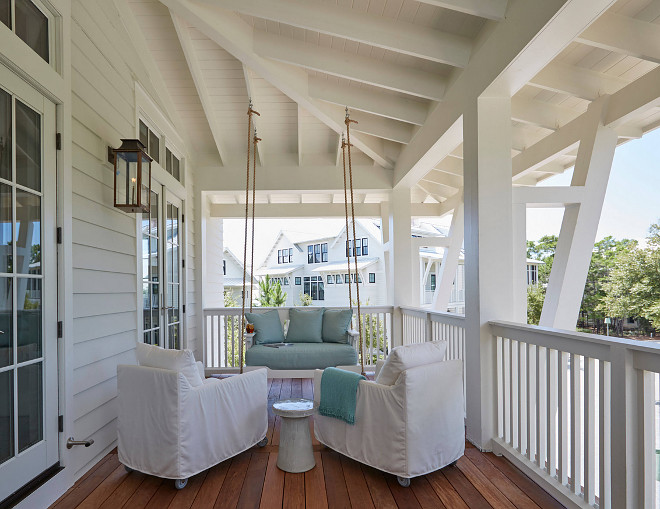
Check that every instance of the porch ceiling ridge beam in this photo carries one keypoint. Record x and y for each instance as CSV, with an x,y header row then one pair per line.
x,y
641,94
233,34
541,114
575,81
294,179
542,196
489,9
347,23
351,66
623,34
516,49
252,94
370,101
374,125
430,242
185,40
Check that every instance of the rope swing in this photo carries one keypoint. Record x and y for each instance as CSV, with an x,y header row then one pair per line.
x,y
346,146
250,141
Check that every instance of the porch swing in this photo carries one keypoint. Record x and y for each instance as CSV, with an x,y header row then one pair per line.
x,y
317,338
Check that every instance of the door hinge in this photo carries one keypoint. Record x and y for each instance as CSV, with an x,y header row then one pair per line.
x,y
60,328
183,264
183,218
59,234
58,141
60,423
184,308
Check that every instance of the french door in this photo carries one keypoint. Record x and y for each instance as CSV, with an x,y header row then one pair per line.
x,y
162,269
28,285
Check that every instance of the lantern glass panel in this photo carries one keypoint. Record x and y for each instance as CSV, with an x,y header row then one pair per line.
x,y
126,168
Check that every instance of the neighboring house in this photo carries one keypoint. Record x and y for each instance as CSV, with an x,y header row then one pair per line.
x,y
232,270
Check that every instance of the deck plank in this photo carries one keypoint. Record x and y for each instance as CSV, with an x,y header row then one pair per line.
x,y
252,479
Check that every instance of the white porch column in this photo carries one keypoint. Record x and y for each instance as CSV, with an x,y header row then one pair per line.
x,y
520,262
386,238
447,270
401,262
580,224
212,247
488,253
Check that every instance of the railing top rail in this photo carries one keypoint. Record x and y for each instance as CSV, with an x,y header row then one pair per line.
x,y
581,343
436,316
237,310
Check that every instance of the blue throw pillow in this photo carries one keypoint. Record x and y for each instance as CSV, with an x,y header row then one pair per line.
x,y
267,327
305,325
335,324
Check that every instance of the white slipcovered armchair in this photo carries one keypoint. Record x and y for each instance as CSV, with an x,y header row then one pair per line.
x,y
172,429
409,428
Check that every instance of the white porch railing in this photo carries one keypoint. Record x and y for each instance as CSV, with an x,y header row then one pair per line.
x,y
222,335
580,411
420,325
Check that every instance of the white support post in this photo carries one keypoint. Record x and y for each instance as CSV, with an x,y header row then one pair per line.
x,y
402,263
580,223
520,262
387,249
447,271
488,254
212,252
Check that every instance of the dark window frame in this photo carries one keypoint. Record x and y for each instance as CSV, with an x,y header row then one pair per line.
x,y
372,277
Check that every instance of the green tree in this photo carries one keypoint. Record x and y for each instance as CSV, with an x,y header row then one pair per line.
x,y
270,293
535,298
543,250
305,299
229,300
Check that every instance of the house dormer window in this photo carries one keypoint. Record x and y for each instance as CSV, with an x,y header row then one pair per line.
x,y
361,247
285,255
317,253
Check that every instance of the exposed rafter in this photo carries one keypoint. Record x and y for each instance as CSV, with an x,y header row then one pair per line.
x,y
349,65
541,114
575,81
626,35
380,127
234,35
490,9
252,94
354,25
369,100
516,49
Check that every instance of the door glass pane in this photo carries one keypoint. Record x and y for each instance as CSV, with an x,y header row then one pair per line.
x,y
146,306
6,415
32,27
155,306
175,258
6,322
28,304
28,233
5,133
175,224
155,337
30,407
6,229
174,336
28,147
154,232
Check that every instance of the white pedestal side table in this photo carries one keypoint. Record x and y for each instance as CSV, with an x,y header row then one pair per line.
x,y
295,451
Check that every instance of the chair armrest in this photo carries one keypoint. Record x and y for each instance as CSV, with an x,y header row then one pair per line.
x,y
379,366
353,336
200,368
249,339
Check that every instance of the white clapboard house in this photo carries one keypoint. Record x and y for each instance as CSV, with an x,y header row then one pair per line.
x,y
463,107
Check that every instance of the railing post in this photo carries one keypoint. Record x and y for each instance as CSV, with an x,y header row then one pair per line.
x,y
627,462
429,327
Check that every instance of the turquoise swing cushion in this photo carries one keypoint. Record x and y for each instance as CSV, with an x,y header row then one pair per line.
x,y
267,327
335,325
305,325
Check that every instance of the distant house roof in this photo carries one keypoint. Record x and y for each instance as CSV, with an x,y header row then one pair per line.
x,y
227,251
234,282
342,267
280,270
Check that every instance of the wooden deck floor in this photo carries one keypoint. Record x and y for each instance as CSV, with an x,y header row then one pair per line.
x,y
252,480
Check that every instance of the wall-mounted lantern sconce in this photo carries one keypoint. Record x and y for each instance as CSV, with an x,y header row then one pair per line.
x,y
132,167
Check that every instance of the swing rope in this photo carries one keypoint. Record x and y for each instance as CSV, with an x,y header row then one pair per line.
x,y
254,187
247,203
348,258
348,122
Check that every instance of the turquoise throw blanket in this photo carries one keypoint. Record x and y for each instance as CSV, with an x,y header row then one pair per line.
x,y
339,394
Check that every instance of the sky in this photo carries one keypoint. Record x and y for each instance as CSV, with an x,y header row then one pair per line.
x,y
632,204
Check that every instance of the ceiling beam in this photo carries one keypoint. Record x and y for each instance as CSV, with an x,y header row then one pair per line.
x,y
183,33
233,34
489,9
541,114
380,127
575,81
300,131
620,107
351,66
545,196
622,34
449,179
516,49
369,100
438,188
414,40
252,94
